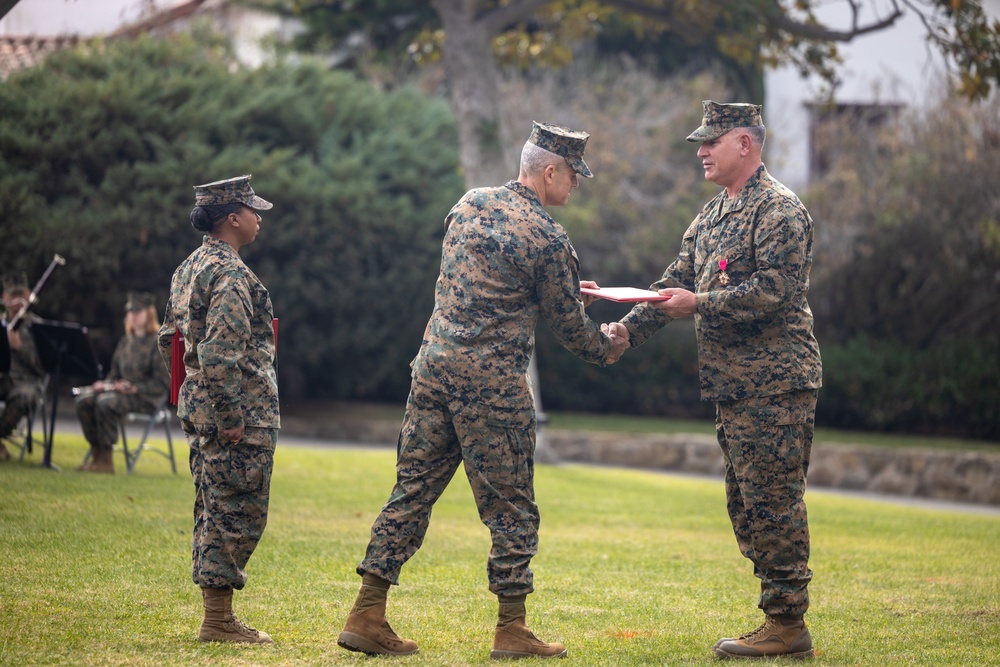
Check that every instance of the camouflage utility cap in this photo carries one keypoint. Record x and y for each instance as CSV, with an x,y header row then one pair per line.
x,y
563,142
230,191
139,301
720,118
15,282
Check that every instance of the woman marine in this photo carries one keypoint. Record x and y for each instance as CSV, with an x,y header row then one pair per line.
x,y
228,402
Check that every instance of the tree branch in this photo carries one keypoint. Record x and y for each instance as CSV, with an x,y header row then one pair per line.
x,y
642,9
496,20
775,16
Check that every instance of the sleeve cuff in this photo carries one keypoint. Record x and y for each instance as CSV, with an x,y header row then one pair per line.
x,y
227,420
702,300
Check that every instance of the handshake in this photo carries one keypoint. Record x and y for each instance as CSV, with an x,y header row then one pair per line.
x,y
616,331
618,334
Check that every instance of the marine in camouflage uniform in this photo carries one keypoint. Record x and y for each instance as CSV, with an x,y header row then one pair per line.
x,y
505,263
228,403
20,386
744,267
137,362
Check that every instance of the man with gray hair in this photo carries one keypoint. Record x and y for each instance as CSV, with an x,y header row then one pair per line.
x,y
743,274
505,263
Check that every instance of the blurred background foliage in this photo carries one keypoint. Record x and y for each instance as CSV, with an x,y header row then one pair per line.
x,y
100,146
99,150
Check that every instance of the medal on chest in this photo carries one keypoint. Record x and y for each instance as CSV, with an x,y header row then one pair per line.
x,y
723,276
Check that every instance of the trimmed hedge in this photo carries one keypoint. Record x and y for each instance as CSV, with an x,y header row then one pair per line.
x,y
99,150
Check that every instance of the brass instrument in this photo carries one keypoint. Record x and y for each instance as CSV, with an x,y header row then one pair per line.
x,y
15,321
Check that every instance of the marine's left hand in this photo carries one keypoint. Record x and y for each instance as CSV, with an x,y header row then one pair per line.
x,y
588,298
681,303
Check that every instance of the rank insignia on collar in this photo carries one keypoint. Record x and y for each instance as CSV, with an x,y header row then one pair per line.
x,y
723,276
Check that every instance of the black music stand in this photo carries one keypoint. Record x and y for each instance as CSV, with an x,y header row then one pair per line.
x,y
64,349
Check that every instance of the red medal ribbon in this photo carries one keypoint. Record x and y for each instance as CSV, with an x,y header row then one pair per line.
x,y
723,276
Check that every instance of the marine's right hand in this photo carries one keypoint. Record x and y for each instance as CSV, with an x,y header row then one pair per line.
x,y
618,334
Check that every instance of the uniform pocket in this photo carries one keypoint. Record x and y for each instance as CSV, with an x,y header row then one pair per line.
x,y
512,443
770,438
772,411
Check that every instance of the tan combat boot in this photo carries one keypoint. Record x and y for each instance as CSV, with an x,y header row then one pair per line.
x,y
102,461
513,639
779,636
220,623
366,630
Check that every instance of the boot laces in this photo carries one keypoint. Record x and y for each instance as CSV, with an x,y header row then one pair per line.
x,y
388,629
756,634
239,626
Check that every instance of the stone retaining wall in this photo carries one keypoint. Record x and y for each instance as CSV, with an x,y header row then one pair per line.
x,y
924,473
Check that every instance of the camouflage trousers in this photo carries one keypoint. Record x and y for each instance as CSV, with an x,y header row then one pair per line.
x,y
766,444
497,448
100,414
20,398
232,483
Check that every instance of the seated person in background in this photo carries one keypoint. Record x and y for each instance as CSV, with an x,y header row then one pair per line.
x,y
20,387
136,382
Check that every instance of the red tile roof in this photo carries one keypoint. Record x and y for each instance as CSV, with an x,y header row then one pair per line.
x,y
20,52
17,52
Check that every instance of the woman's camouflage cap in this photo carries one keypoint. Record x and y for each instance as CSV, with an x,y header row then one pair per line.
x,y
139,301
564,142
720,118
230,191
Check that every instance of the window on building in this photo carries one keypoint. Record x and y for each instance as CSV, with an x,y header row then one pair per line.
x,y
833,127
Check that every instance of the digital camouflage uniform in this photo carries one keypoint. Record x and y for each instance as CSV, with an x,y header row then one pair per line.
x,y
20,387
748,259
137,360
224,313
505,262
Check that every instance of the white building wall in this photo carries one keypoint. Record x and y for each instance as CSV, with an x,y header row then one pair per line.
x,y
86,18
251,30
896,65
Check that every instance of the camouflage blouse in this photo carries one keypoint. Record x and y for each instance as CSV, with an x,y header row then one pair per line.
x,y
137,360
747,259
25,365
224,313
504,263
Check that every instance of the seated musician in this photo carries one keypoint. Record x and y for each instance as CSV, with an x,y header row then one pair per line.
x,y
136,382
20,387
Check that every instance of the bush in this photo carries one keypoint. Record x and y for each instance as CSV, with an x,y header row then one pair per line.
x,y
99,150
906,274
950,389
660,378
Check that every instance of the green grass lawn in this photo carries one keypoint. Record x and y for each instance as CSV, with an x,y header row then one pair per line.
x,y
634,568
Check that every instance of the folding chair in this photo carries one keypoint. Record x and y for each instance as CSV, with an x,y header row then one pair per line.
x,y
23,437
161,415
